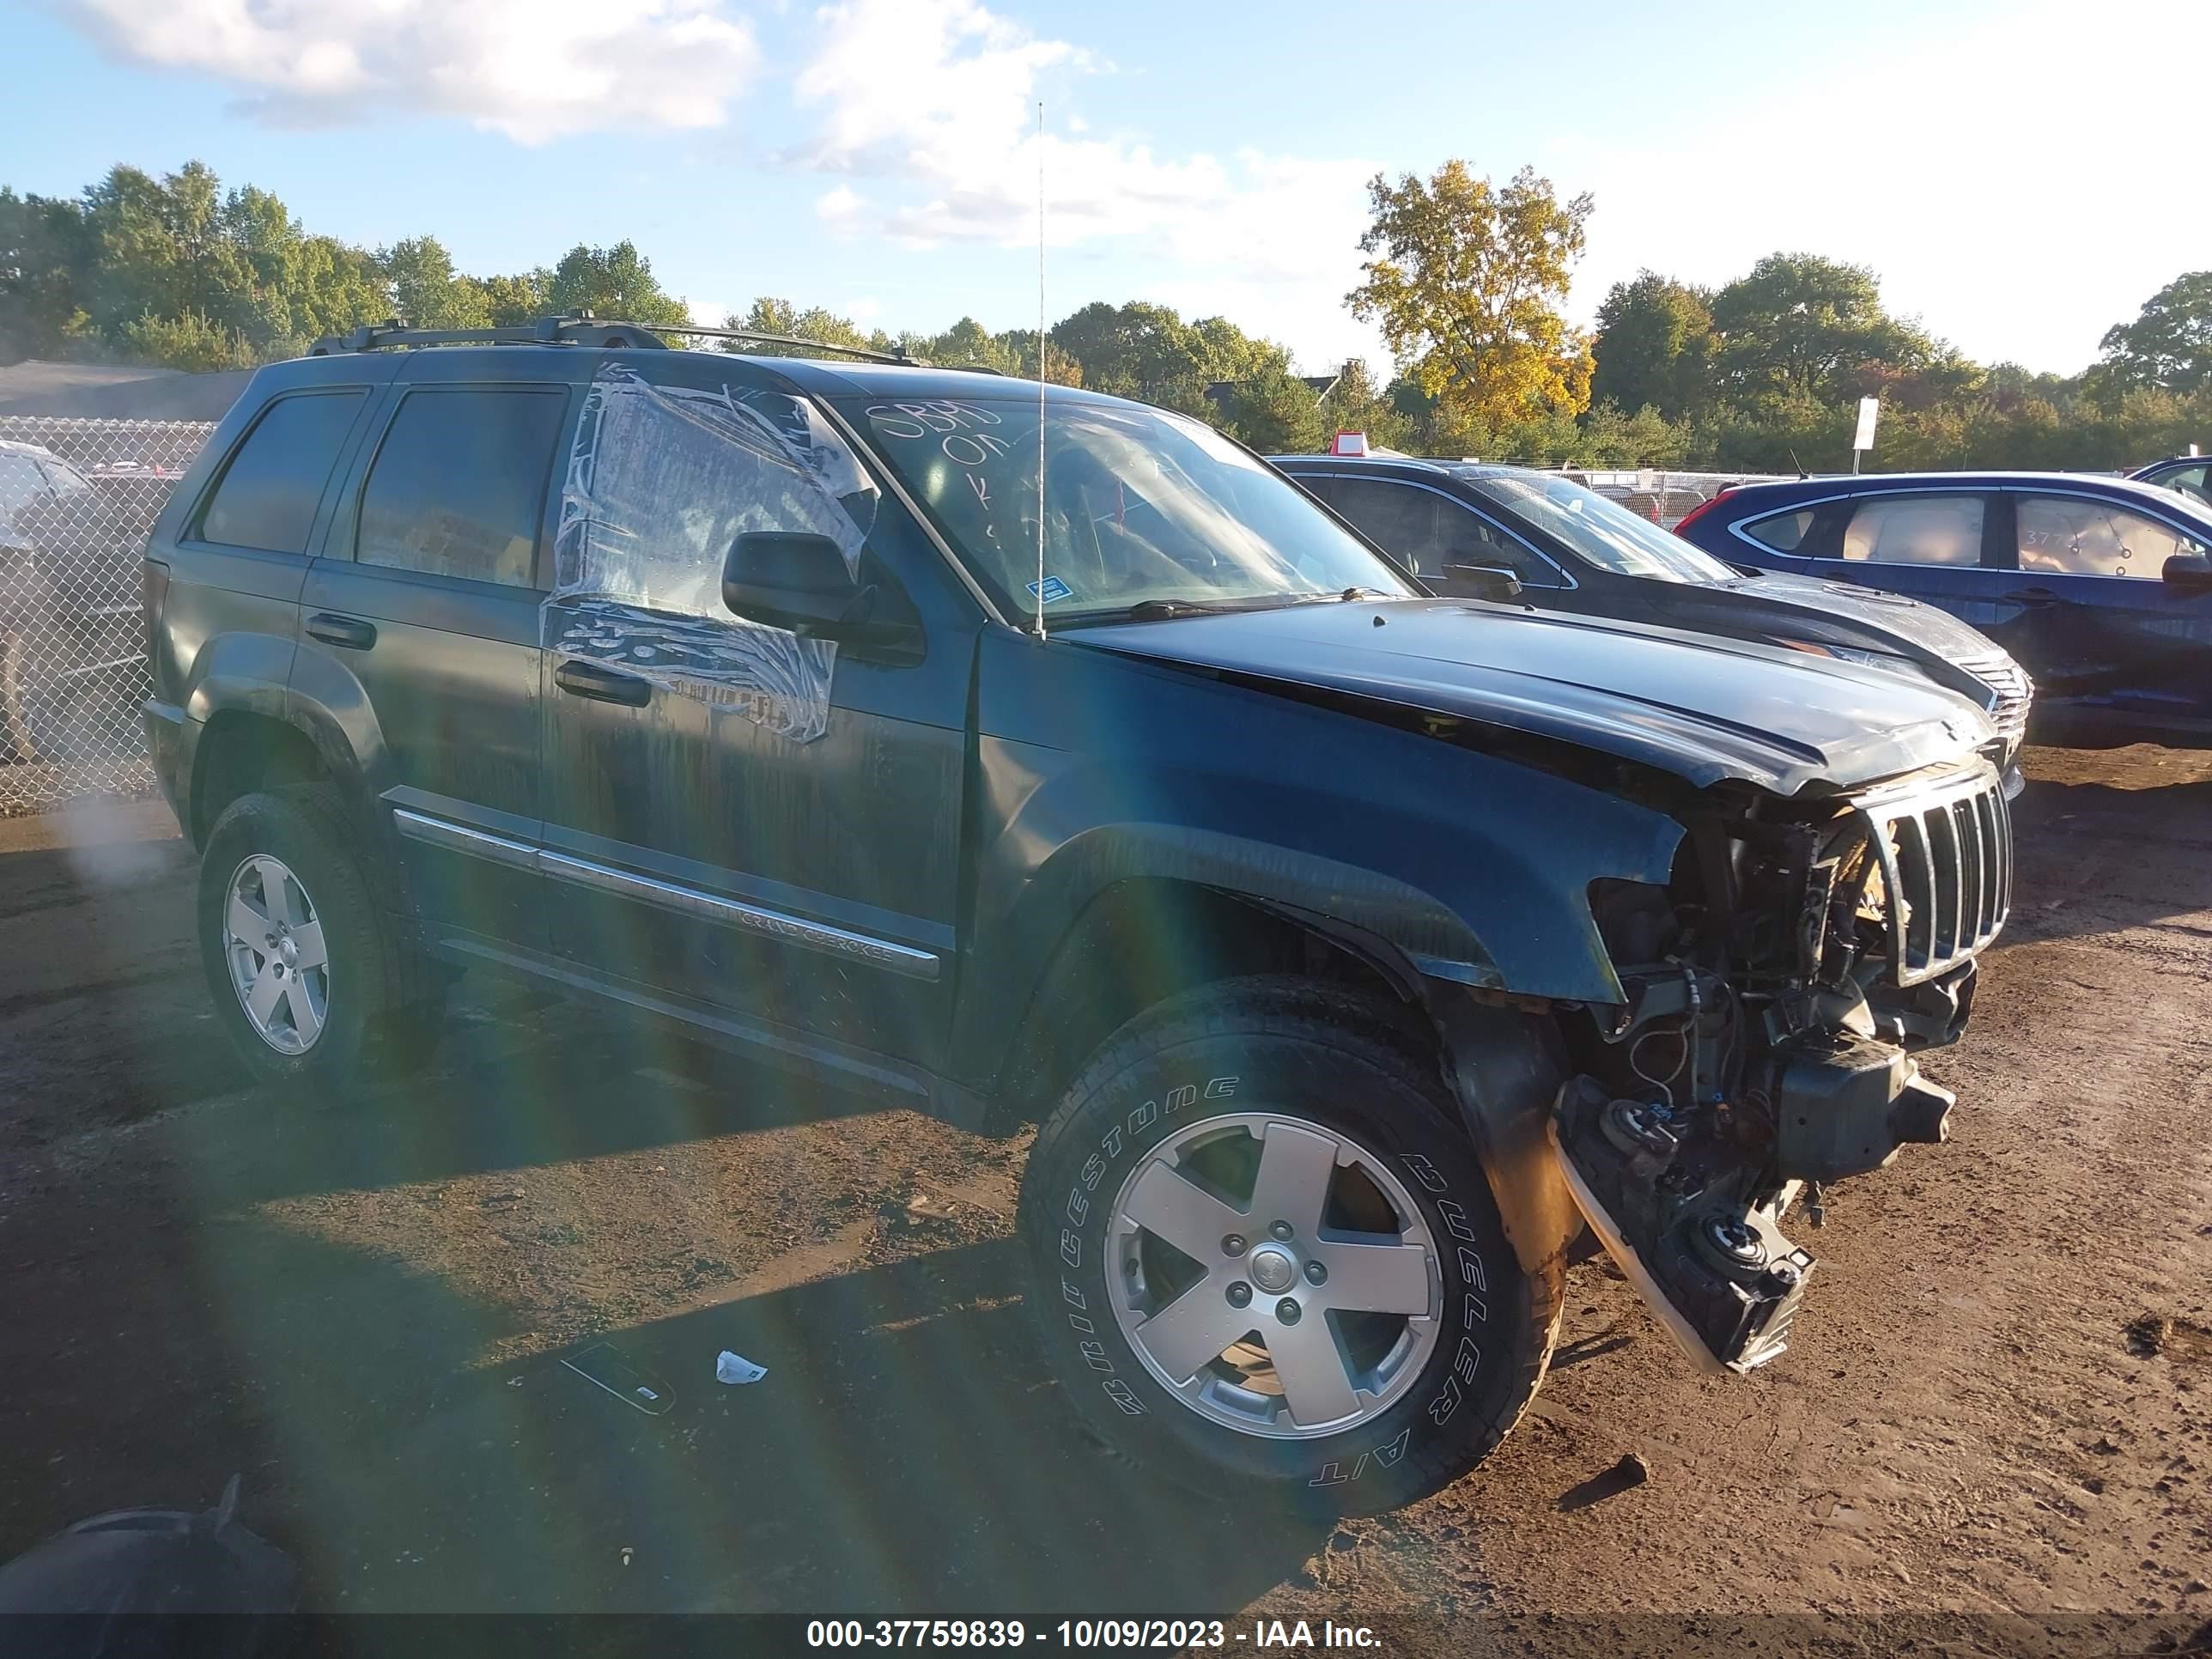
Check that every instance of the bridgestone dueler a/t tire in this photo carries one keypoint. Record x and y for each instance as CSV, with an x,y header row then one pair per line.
x,y
386,1003
1291,1049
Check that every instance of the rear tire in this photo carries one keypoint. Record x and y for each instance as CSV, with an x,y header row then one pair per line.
x,y
1148,1213
309,974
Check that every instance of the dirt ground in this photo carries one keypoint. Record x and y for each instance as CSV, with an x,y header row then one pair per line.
x,y
1993,1432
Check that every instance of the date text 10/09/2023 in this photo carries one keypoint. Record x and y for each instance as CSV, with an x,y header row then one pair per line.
x,y
1171,1635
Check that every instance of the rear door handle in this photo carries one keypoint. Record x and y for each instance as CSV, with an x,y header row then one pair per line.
x,y
349,633
587,679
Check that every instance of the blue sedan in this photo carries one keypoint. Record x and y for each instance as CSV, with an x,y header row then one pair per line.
x,y
2101,587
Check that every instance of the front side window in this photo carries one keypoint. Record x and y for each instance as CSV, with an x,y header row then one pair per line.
x,y
1140,505
1432,532
458,487
2190,481
1400,519
1917,529
2073,536
1601,531
270,490
663,477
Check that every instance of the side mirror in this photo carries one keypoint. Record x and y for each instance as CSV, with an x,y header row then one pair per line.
x,y
1481,581
793,579
2188,573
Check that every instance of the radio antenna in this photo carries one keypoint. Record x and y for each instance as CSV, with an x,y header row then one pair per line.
x,y
1037,628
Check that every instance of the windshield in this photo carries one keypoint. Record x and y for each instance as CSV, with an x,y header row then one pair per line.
x,y
1140,506
1603,532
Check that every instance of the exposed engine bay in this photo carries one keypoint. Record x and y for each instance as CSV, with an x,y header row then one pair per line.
x,y
1775,991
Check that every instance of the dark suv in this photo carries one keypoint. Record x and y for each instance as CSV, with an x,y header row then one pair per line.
x,y
1356,947
1481,529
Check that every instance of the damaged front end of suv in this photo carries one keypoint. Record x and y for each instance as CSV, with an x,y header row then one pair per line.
x,y
1774,992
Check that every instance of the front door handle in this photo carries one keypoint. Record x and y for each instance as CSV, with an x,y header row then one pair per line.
x,y
588,679
2033,596
348,633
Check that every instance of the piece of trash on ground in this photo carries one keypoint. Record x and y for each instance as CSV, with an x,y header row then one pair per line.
x,y
736,1368
606,1366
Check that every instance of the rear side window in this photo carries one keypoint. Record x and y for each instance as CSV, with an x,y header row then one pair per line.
x,y
1784,533
458,487
1917,529
270,491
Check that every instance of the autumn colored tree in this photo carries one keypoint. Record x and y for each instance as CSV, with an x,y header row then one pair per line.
x,y
1468,281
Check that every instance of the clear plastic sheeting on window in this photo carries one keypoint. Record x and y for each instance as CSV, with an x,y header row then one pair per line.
x,y
662,479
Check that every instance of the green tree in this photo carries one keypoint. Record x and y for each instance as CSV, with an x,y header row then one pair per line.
x,y
427,292
512,302
1468,281
1273,411
968,344
1613,437
774,316
192,343
46,256
614,283
1357,403
2169,344
1801,324
1139,350
1655,346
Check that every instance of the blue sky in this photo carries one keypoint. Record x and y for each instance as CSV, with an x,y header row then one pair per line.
x,y
1998,165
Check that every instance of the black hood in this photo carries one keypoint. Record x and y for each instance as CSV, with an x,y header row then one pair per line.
x,y
1773,606
1703,708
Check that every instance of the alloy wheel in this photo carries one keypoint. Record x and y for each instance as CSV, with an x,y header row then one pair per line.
x,y
279,963
1275,1274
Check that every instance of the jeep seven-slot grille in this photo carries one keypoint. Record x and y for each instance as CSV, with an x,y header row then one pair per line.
x,y
1946,869
2014,691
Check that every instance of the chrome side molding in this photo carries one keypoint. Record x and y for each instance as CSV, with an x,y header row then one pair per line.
x,y
669,896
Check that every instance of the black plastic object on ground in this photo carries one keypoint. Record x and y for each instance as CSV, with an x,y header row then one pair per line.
x,y
151,1584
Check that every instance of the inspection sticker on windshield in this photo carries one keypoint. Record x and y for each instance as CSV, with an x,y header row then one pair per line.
x,y
1049,589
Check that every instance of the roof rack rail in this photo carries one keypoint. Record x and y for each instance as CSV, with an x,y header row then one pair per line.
x,y
763,337
578,328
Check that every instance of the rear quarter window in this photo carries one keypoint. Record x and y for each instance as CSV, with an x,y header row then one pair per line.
x,y
1784,533
267,496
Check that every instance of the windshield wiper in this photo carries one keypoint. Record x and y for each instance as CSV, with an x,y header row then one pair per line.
x,y
1147,610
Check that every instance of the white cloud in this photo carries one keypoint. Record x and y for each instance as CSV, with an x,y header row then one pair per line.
x,y
1969,174
937,100
840,209
534,70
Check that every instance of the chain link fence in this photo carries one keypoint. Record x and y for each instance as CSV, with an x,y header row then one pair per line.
x,y
1665,498
78,500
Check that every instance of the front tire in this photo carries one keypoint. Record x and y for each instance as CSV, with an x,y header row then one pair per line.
x,y
1263,1249
308,974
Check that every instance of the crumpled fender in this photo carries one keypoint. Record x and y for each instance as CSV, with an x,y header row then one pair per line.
x,y
1094,768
